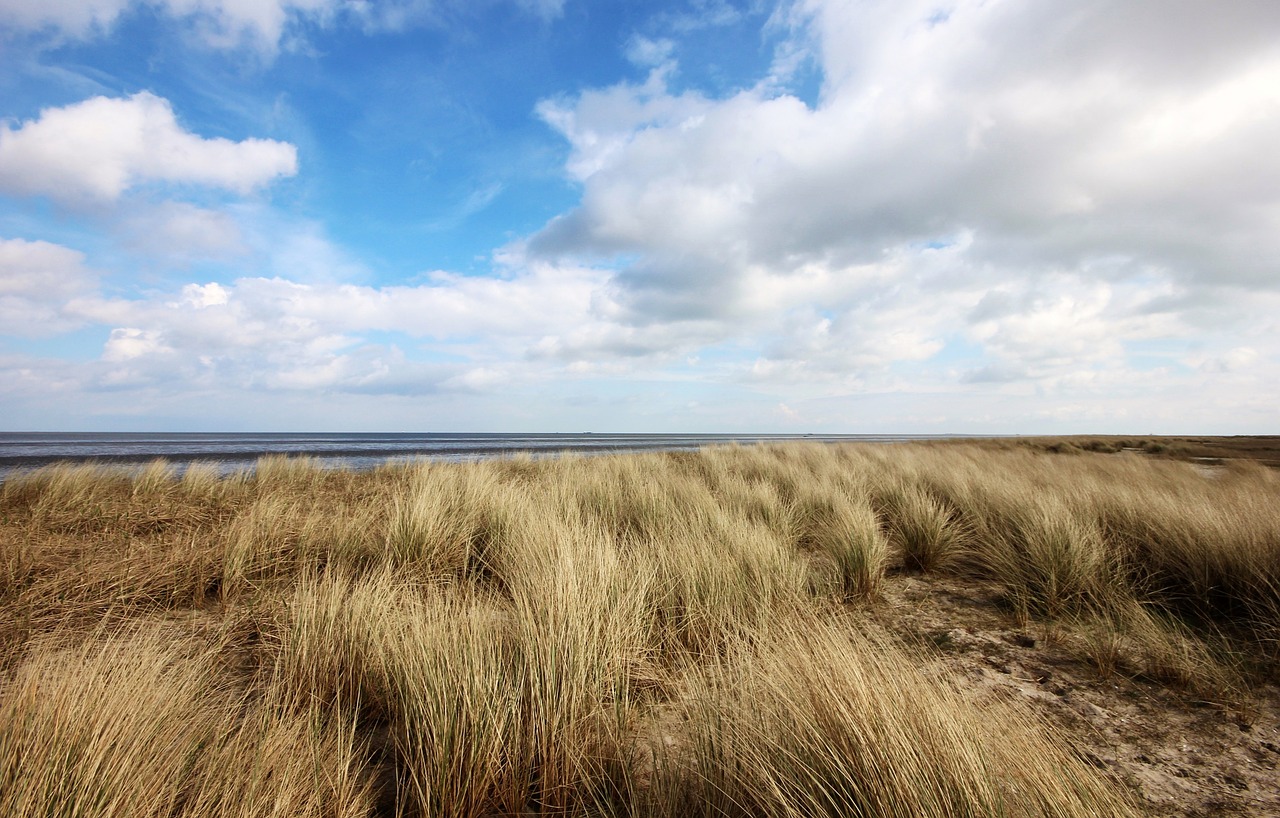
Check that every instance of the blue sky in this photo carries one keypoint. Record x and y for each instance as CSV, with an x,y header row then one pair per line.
x,y
695,215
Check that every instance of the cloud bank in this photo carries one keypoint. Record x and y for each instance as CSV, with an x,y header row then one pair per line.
x,y
990,216
1054,188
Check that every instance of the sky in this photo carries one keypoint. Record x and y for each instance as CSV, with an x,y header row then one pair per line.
x,y
857,216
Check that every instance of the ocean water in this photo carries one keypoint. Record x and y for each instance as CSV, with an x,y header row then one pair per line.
x,y
235,451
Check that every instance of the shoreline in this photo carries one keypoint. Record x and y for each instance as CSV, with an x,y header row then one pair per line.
x,y
1209,450
361,452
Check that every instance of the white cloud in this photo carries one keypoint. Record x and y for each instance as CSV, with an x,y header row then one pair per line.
x,y
39,282
1065,325
647,52
601,124
992,212
1237,359
704,14
261,25
102,147
219,23
129,343
280,334
201,296
180,233
1081,168
77,18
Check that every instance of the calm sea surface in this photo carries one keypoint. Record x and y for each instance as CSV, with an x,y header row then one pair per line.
x,y
235,451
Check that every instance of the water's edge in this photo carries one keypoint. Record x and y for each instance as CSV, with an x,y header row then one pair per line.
x,y
21,451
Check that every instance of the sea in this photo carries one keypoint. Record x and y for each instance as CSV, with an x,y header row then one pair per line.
x,y
237,451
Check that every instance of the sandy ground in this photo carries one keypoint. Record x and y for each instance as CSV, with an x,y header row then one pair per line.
x,y
1183,757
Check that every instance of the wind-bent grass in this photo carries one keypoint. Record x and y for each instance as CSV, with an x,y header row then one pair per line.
x,y
645,634
1051,560
112,728
133,724
845,529
1141,640
921,525
819,719
1209,548
580,614
425,670
437,523
277,765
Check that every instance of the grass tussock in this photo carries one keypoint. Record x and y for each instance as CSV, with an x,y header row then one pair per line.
x,y
926,532
843,527
822,719
135,723
655,634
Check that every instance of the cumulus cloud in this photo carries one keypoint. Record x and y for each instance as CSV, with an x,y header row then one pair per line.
x,y
40,285
1075,167
274,333
1074,211
100,148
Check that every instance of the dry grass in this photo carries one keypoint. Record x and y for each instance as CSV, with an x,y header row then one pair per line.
x,y
136,723
821,719
656,634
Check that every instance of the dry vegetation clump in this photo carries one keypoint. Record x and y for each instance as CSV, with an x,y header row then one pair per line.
x,y
822,718
137,723
1177,570
654,634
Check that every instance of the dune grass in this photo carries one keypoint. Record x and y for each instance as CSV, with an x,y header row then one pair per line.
x,y
137,723
821,718
658,634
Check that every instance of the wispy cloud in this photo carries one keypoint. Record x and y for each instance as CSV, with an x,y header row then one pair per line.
x,y
262,26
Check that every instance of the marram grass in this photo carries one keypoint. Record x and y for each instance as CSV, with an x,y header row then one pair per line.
x,y
658,634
